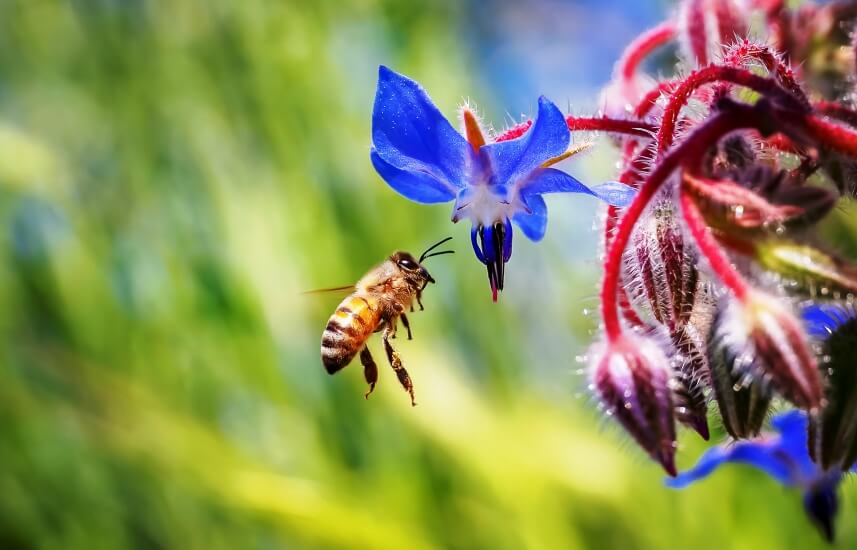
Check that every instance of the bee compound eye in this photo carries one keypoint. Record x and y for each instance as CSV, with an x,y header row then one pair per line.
x,y
407,264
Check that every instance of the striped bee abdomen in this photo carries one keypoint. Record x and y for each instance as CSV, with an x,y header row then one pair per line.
x,y
349,327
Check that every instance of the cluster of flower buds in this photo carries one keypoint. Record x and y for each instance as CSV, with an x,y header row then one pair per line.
x,y
718,288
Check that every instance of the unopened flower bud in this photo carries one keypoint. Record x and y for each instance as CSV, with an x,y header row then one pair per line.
x,y
743,400
814,271
731,207
631,377
761,329
664,269
690,377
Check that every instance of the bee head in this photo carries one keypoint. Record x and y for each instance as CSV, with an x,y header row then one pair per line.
x,y
411,268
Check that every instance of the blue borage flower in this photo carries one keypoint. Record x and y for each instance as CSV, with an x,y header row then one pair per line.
x,y
420,155
783,456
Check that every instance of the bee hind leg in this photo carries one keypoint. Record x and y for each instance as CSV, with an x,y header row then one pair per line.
x,y
370,370
396,363
407,325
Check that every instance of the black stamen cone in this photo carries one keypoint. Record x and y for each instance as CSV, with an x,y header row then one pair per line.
x,y
495,265
499,239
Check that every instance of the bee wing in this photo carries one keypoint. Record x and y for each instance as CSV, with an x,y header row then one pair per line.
x,y
332,290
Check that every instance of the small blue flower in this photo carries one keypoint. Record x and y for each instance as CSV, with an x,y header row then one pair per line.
x,y
420,155
785,457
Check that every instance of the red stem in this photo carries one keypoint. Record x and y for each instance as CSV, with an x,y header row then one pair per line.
x,y
712,73
642,46
827,134
688,152
838,111
729,23
745,51
696,32
710,248
637,128
634,167
651,98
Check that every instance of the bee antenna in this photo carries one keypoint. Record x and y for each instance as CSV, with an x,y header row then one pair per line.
x,y
433,254
432,247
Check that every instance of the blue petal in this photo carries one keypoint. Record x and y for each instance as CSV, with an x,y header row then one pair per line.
x,y
709,462
784,457
550,180
410,134
513,161
417,186
761,454
792,426
822,320
488,240
507,242
793,444
474,240
615,193
534,222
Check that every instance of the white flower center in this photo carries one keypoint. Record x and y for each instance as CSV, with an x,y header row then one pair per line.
x,y
484,207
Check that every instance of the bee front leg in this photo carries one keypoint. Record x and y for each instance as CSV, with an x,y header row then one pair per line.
x,y
396,363
407,325
419,300
370,370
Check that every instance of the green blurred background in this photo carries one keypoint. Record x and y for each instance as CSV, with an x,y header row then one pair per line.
x,y
173,175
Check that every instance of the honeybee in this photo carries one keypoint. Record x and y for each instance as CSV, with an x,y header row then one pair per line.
x,y
379,300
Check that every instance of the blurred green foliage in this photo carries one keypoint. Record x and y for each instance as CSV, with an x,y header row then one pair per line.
x,y
172,176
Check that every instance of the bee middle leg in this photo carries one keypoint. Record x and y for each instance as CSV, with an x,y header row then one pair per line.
x,y
370,370
407,325
396,363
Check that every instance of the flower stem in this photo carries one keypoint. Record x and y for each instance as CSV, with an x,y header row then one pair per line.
x,y
838,111
642,46
828,134
688,152
637,128
695,27
709,247
745,51
651,98
706,75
